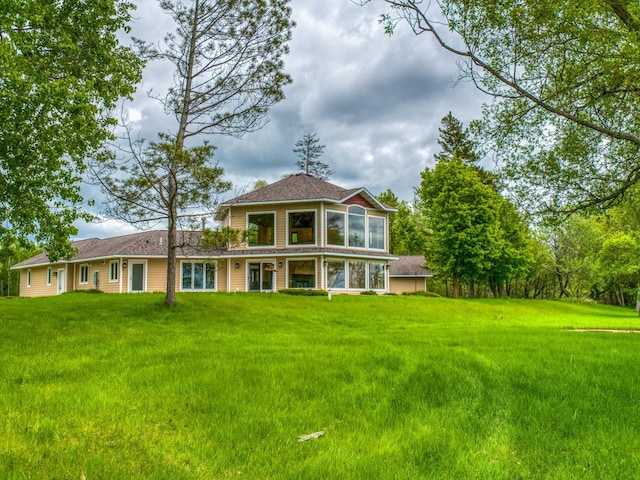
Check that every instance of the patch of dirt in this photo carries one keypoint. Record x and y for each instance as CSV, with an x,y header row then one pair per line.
x,y
607,330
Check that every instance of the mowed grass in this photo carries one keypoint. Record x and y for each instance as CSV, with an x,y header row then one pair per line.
x,y
118,387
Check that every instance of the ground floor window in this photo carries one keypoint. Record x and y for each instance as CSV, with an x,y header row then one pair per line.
x,y
356,275
84,274
335,274
113,271
198,276
376,276
302,274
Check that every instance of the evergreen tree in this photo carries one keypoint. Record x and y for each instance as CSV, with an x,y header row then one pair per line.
x,y
308,148
456,142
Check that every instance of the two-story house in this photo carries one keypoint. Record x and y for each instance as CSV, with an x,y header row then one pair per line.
x,y
301,232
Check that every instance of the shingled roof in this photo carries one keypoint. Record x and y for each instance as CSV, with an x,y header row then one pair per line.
x,y
301,188
295,188
409,266
151,243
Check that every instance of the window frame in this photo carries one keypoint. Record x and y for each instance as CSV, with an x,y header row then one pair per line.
x,y
315,228
383,272
275,240
113,279
49,275
364,278
364,225
384,232
344,227
204,263
343,264
29,278
315,272
84,274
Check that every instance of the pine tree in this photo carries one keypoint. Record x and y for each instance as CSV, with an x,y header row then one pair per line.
x,y
455,142
308,148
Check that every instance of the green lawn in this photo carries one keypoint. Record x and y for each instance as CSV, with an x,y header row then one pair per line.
x,y
118,387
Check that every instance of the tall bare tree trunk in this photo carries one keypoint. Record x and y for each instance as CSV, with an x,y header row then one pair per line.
x,y
173,187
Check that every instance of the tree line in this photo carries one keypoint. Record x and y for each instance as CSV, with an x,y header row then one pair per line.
x,y
479,244
563,126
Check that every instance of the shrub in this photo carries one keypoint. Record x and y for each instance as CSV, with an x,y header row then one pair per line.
x,y
305,292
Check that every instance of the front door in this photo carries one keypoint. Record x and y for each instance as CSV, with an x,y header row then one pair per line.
x,y
137,277
261,276
61,287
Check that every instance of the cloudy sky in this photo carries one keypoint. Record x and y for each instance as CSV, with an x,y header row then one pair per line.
x,y
375,101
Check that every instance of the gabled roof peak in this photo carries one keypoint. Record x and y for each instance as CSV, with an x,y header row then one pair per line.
x,y
301,187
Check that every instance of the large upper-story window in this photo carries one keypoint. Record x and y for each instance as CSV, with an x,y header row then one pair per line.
x,y
361,230
261,229
376,232
356,226
335,228
302,228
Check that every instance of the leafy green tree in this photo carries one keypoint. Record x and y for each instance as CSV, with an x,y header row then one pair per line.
x,y
619,265
10,255
259,184
512,259
460,214
567,115
539,278
575,245
309,149
228,71
406,230
139,186
63,70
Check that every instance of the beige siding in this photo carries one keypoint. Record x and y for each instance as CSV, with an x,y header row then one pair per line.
x,y
157,275
407,284
39,287
221,275
238,275
95,266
